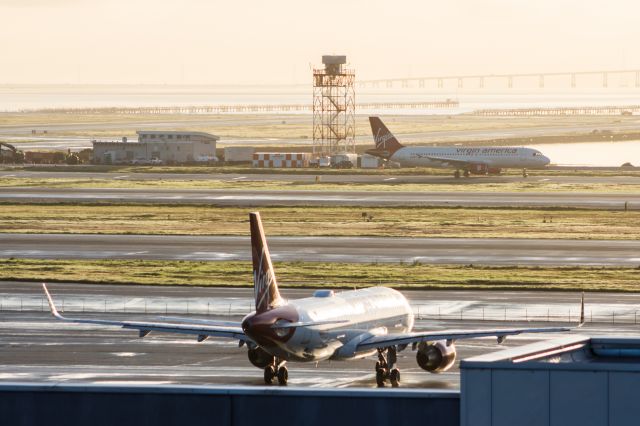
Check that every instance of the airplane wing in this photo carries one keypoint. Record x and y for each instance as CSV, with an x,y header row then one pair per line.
x,y
386,340
201,330
452,161
200,321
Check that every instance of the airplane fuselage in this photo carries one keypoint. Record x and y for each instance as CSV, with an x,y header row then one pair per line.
x,y
493,157
345,318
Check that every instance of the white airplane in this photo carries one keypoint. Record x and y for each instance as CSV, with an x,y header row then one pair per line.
x,y
337,326
480,160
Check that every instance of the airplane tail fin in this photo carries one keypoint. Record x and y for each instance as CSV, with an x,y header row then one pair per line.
x,y
265,287
386,143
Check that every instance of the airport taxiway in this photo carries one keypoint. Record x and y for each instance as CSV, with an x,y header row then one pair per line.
x,y
36,347
260,197
493,251
338,178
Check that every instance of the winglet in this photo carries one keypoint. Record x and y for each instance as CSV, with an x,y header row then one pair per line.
x,y
52,306
581,310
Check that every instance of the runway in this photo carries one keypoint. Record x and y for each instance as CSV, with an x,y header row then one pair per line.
x,y
491,251
34,346
255,198
310,177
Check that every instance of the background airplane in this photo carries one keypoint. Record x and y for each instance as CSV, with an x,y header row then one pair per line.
x,y
480,160
337,326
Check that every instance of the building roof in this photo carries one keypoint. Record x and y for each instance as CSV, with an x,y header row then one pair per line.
x,y
172,132
572,352
140,143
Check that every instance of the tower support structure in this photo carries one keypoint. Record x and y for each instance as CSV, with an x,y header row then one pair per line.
x,y
333,108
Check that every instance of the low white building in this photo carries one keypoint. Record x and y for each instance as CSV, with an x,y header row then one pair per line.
x,y
169,147
238,154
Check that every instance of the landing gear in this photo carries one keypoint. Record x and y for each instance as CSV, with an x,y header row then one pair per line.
x,y
380,374
276,370
283,376
467,173
269,374
394,377
385,367
524,173
456,174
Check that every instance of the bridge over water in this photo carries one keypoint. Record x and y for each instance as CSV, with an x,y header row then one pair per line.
x,y
573,79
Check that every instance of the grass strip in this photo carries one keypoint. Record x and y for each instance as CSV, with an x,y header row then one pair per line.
x,y
324,275
450,222
283,185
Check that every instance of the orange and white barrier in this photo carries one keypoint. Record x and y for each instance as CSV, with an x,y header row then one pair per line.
x,y
281,160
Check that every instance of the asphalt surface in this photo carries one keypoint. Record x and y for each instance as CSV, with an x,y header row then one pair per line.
x,y
35,347
324,178
256,198
493,251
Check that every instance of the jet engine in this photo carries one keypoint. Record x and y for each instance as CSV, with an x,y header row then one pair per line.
x,y
259,357
436,357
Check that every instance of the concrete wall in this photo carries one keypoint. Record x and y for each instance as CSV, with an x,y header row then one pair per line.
x,y
238,153
71,405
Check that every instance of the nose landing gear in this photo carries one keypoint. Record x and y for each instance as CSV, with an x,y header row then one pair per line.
x,y
524,173
385,367
277,369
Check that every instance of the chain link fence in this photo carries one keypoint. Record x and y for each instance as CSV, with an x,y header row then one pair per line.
x,y
240,307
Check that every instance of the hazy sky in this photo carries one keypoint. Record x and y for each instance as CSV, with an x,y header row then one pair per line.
x,y
216,42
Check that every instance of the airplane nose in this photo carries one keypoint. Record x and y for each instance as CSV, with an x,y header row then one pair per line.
x,y
545,160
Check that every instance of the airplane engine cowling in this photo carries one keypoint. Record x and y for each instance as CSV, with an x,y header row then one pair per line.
x,y
259,357
436,357
479,169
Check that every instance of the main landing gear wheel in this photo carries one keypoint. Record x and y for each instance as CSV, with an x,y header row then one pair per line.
x,y
385,367
380,375
456,174
467,173
394,377
283,376
269,374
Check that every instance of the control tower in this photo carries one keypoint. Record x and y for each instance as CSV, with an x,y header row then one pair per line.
x,y
333,108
